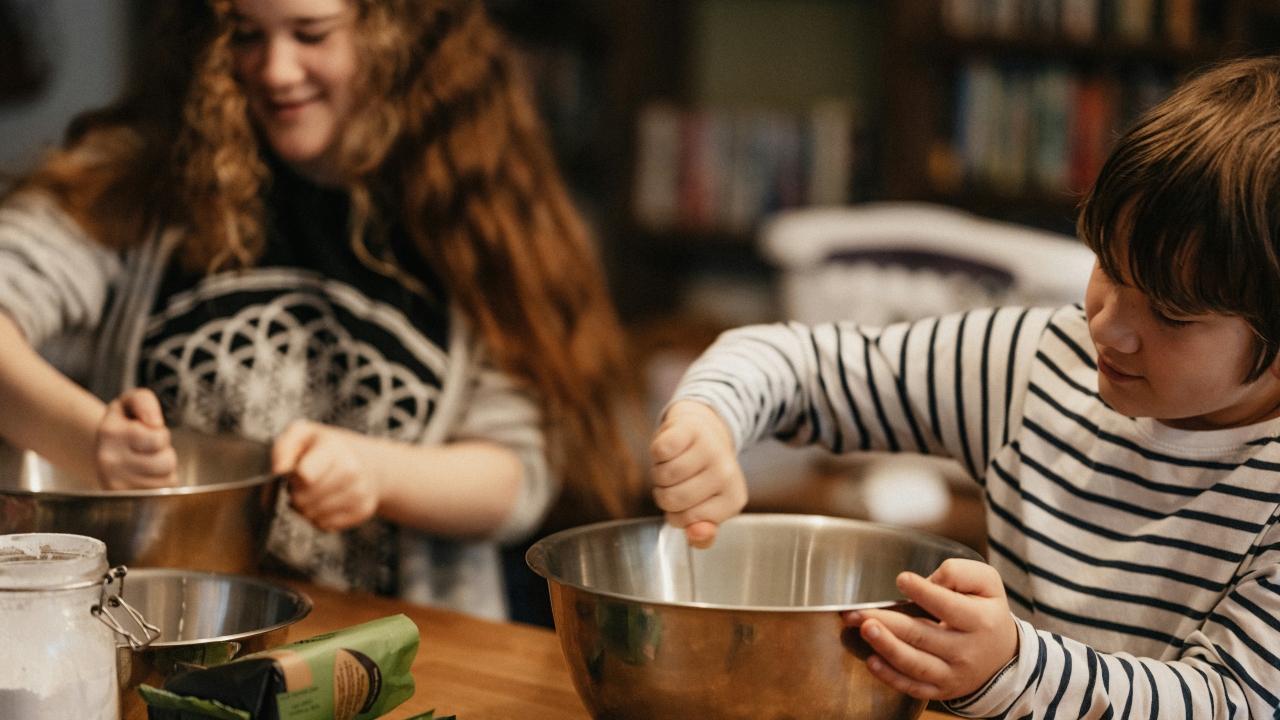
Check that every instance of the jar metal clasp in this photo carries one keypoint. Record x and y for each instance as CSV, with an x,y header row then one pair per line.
x,y
106,599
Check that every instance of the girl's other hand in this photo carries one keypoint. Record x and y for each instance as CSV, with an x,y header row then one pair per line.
x,y
133,449
973,637
696,476
329,483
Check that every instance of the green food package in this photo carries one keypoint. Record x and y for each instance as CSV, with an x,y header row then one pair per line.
x,y
357,673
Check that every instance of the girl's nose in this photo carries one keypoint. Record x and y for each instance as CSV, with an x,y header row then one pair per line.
x,y
280,66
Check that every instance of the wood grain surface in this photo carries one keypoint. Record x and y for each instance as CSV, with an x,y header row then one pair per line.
x,y
472,668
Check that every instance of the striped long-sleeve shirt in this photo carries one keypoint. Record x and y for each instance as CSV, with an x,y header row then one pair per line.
x,y
1142,562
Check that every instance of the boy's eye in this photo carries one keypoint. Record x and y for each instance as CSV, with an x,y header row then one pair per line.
x,y
1165,319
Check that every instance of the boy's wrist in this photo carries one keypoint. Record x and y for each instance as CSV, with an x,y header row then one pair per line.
x,y
695,407
967,705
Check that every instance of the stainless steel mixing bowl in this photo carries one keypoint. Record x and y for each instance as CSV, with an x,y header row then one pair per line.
x,y
216,518
747,629
204,618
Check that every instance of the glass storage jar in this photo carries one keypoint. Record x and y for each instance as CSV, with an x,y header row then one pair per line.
x,y
57,656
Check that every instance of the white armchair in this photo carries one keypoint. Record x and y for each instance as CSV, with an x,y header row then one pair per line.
x,y
880,263
883,262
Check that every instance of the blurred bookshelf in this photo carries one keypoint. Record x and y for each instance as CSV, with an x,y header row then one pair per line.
x,y
1008,107
682,124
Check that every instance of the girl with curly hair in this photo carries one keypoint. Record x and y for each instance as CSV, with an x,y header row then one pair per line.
x,y
335,225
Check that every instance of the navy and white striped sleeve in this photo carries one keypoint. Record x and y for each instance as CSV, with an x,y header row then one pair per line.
x,y
1229,668
945,386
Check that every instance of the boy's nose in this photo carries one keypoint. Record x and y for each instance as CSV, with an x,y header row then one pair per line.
x,y
1112,324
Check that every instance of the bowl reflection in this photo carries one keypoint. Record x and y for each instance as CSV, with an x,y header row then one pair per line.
x,y
215,518
747,629
205,619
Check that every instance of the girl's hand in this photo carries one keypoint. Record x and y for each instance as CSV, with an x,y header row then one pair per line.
x,y
329,484
133,449
696,476
973,637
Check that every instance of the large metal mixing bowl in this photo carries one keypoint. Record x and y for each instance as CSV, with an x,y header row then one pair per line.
x,y
205,619
216,518
747,629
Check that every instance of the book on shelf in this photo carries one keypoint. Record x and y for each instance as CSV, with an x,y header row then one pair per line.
x,y
1180,22
1051,102
657,187
712,171
1080,19
1135,19
1043,130
1176,22
1092,124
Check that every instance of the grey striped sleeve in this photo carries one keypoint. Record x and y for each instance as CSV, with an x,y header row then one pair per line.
x,y
53,278
502,412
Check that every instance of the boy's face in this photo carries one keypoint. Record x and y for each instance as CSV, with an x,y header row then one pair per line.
x,y
1186,371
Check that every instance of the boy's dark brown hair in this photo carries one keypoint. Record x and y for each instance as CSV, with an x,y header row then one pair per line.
x,y
1190,200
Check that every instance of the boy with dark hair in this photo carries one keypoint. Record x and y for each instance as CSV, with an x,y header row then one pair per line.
x,y
1129,450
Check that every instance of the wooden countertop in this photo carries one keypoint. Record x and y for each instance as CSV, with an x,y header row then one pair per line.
x,y
472,668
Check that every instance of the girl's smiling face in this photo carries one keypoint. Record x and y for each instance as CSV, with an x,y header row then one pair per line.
x,y
1185,371
297,62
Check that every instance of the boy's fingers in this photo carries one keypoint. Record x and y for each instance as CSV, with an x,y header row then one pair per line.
x,y
687,494
923,634
969,577
934,599
678,469
909,660
885,673
671,440
956,609
715,509
701,535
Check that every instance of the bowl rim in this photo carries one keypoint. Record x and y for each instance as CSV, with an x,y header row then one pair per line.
x,y
536,558
301,599
71,495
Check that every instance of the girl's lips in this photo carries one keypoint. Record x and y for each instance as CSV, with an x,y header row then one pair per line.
x,y
286,110
1113,374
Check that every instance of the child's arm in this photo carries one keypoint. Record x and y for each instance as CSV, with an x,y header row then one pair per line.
x,y
944,386
941,386
54,279
1230,668
489,479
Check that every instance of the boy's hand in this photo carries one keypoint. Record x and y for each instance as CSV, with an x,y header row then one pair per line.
x,y
974,636
133,448
696,476
329,484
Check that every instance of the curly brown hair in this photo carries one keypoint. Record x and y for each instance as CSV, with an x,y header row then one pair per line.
x,y
445,136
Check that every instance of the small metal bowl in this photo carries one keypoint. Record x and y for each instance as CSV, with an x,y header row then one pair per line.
x,y
216,518
204,619
748,629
